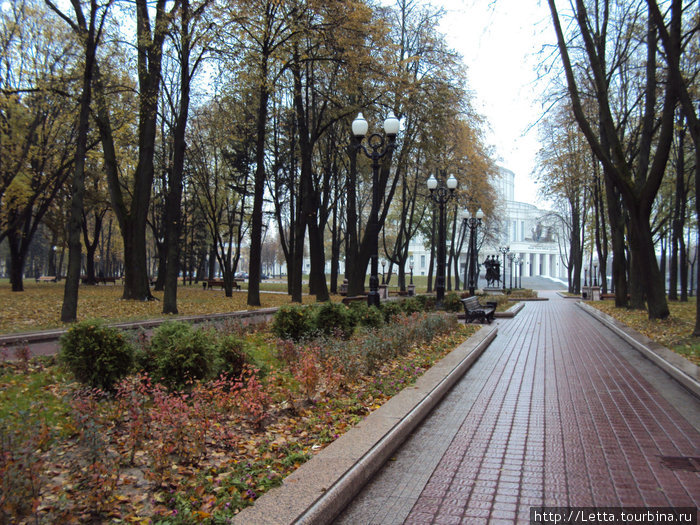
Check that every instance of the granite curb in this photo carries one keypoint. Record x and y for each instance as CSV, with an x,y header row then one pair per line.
x,y
508,314
678,367
321,488
55,334
511,312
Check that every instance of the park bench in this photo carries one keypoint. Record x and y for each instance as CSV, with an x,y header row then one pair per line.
x,y
354,299
473,310
210,283
104,280
46,279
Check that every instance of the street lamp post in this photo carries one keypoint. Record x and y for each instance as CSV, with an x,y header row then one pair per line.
x,y
410,267
520,271
511,258
378,148
383,275
504,250
441,194
473,223
595,274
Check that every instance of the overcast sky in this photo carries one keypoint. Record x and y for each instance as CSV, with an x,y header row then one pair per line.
x,y
500,41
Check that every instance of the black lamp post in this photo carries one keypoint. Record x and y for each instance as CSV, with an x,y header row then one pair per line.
x,y
383,275
511,258
473,223
504,250
379,147
520,272
441,194
595,274
410,267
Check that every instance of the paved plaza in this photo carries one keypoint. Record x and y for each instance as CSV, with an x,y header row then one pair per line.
x,y
558,411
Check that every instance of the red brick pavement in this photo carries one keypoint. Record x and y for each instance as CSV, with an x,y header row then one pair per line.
x,y
563,420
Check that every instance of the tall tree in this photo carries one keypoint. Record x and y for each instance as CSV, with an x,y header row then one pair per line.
x,y
681,51
131,207
637,175
37,124
89,32
566,174
188,37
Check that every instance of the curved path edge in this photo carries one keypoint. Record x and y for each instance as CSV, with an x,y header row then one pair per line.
x,y
321,488
678,367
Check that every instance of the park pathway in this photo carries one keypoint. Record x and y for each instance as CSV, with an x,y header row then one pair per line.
x,y
558,411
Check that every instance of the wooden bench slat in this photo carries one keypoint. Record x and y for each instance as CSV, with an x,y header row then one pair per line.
x,y
209,283
473,310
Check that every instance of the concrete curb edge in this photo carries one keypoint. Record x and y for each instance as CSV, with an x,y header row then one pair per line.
x,y
346,465
679,368
55,333
511,312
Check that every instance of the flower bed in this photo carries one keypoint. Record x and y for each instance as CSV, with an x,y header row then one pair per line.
x,y
144,453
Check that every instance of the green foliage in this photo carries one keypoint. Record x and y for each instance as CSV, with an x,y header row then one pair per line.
x,y
367,316
427,302
231,356
293,322
398,337
334,318
97,355
411,306
452,302
181,353
391,309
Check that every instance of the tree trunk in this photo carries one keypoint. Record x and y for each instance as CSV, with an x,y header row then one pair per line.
x,y
259,188
18,254
173,199
161,250
643,256
69,308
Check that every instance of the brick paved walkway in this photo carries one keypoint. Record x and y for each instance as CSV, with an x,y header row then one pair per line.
x,y
551,414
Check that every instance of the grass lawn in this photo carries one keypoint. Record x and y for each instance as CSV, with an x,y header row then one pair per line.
x,y
39,306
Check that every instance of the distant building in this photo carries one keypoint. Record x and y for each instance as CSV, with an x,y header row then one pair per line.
x,y
532,234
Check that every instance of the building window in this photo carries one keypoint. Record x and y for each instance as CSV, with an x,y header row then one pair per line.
x,y
422,261
522,230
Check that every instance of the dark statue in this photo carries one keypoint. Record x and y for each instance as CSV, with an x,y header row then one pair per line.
x,y
493,270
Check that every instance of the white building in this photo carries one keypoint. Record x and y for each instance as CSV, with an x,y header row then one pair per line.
x,y
535,236
532,235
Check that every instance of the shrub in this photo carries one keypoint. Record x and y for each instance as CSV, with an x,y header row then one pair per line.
x,y
366,315
231,356
293,322
431,325
411,306
391,309
332,318
427,302
181,353
452,302
22,471
97,355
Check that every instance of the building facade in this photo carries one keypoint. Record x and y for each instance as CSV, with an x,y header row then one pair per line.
x,y
534,236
